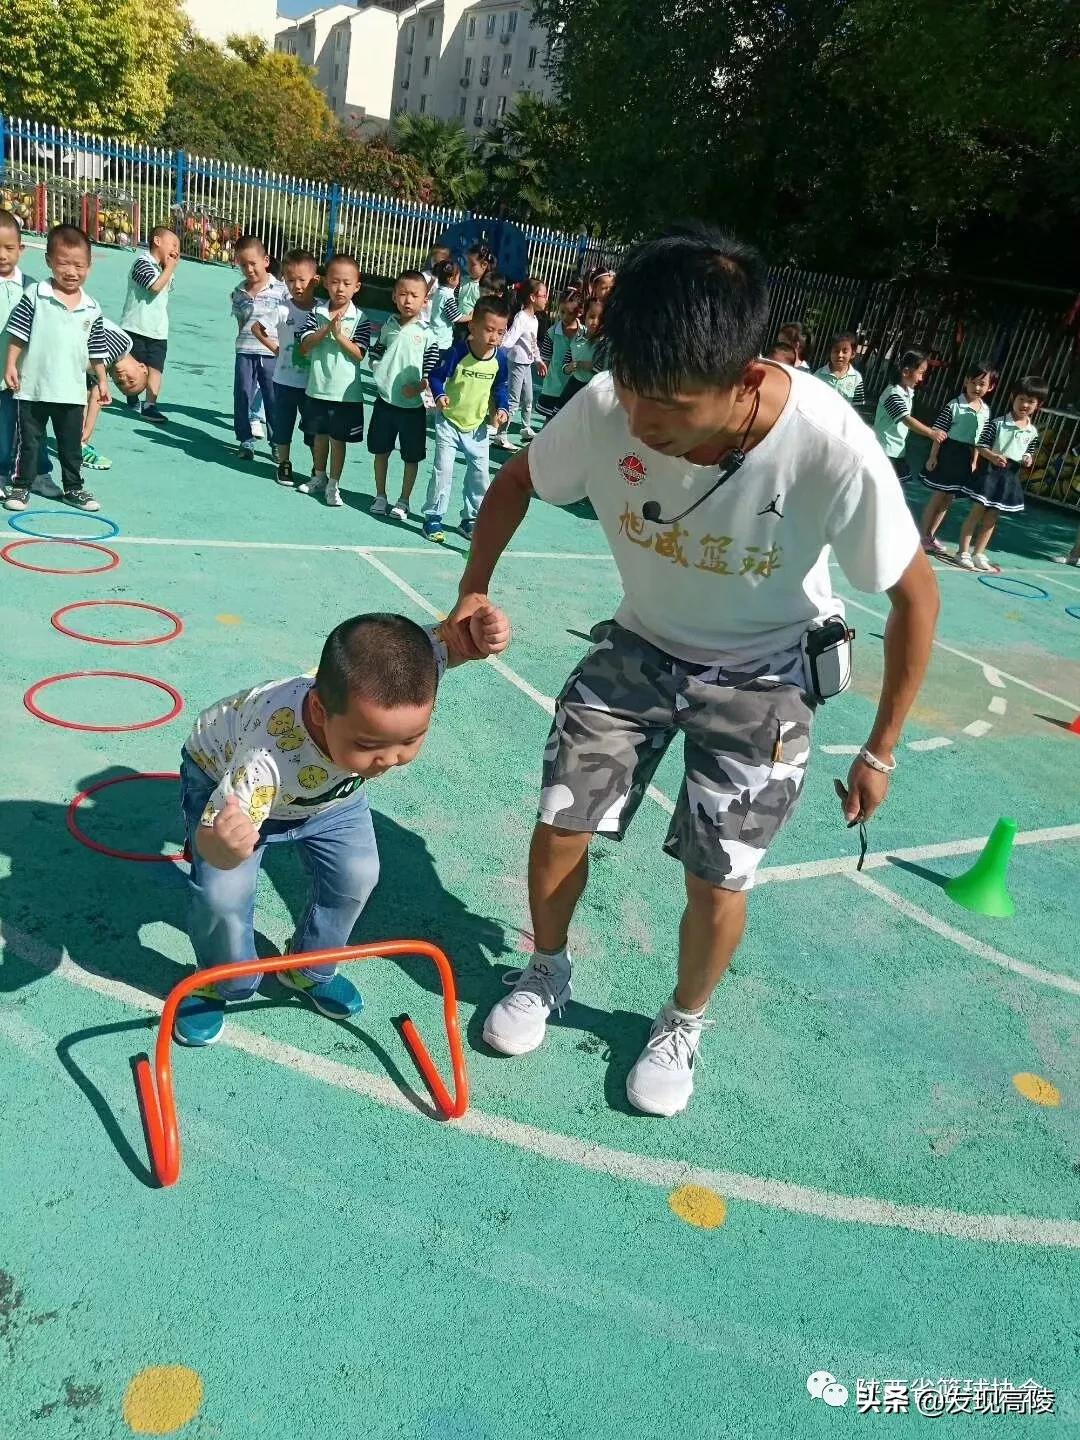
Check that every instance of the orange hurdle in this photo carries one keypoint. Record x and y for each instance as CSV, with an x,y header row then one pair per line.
x,y
159,1106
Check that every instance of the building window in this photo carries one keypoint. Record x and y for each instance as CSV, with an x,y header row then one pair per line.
x,y
510,23
500,109
407,76
479,116
485,69
532,57
468,67
508,61
462,107
491,20
427,64
423,104
470,33
409,37
431,25
337,72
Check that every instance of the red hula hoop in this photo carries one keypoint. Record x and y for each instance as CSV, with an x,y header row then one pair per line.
x,y
30,700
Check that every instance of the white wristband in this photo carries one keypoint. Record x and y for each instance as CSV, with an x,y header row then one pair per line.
x,y
875,764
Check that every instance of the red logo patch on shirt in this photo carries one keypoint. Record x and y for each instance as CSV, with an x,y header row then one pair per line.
x,y
632,469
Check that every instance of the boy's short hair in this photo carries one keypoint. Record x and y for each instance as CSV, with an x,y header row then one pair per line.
x,y
9,222
344,258
160,230
299,257
491,305
386,659
1034,387
783,350
690,308
249,242
69,236
411,277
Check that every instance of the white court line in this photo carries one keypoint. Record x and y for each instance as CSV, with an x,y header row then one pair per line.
x,y
992,677
546,702
340,549
877,859
966,942
935,742
978,727
998,705
840,749
1073,705
620,1165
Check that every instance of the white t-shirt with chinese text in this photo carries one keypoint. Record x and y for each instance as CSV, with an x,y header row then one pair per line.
x,y
255,746
745,575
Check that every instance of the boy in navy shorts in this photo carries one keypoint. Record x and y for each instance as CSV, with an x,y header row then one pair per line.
x,y
146,313
336,339
300,272
401,360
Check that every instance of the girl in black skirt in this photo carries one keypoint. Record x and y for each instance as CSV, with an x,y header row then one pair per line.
x,y
949,465
1006,447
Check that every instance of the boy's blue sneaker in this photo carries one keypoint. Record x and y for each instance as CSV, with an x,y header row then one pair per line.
x,y
467,527
336,998
433,529
200,1018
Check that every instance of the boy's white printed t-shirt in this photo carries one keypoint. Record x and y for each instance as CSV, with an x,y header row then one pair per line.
x,y
293,366
745,575
255,746
262,307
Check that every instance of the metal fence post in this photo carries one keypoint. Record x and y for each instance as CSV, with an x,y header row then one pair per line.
x,y
181,178
3,142
332,220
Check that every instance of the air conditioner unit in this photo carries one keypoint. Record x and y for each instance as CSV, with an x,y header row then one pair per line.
x,y
484,77
404,84
464,82
478,120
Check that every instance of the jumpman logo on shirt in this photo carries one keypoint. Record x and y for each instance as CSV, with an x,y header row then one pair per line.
x,y
772,508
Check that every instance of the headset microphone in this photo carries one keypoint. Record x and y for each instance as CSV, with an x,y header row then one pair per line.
x,y
651,509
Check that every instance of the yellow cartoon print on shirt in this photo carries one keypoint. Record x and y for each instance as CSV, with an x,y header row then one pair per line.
x,y
281,721
230,750
258,807
240,778
312,776
292,740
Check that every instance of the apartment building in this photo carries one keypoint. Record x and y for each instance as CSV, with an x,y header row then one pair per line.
x,y
216,22
449,58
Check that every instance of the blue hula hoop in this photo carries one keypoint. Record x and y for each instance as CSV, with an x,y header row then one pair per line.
x,y
1073,610
15,522
1002,583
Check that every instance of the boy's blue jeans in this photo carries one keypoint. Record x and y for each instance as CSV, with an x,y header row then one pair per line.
x,y
449,442
337,847
252,375
9,439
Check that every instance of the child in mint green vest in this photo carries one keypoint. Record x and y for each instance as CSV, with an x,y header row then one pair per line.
x,y
555,351
146,313
12,285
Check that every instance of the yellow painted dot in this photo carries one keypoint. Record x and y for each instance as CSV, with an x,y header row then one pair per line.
x,y
699,1206
162,1399
228,619
1036,1089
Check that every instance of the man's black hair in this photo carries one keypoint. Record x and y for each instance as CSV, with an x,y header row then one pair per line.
x,y
69,236
385,659
688,308
1033,386
491,305
298,257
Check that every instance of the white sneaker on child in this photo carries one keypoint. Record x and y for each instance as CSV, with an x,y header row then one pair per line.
x,y
528,433
379,506
518,1023
333,495
315,486
400,511
982,563
964,560
662,1079
503,442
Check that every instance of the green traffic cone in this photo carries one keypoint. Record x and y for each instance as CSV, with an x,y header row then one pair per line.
x,y
982,888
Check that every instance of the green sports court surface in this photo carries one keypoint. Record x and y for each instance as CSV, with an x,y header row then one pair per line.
x,y
879,1176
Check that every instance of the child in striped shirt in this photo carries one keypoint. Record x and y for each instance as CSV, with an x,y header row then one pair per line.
x,y
951,461
893,420
840,374
1007,446
145,315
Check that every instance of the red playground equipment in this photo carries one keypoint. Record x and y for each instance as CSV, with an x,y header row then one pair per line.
x,y
159,1105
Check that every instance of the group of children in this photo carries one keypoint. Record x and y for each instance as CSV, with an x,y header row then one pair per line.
x,y
460,347
973,453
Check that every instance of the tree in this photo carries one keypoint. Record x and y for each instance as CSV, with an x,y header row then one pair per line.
x,y
246,103
443,150
523,162
834,133
372,165
96,66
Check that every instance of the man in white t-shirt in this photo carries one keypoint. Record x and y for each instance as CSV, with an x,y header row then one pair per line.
x,y
721,481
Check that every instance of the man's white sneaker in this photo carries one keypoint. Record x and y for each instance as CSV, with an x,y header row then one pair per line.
x,y
333,495
517,1024
662,1079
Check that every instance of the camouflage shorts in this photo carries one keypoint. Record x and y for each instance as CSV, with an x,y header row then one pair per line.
x,y
746,736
